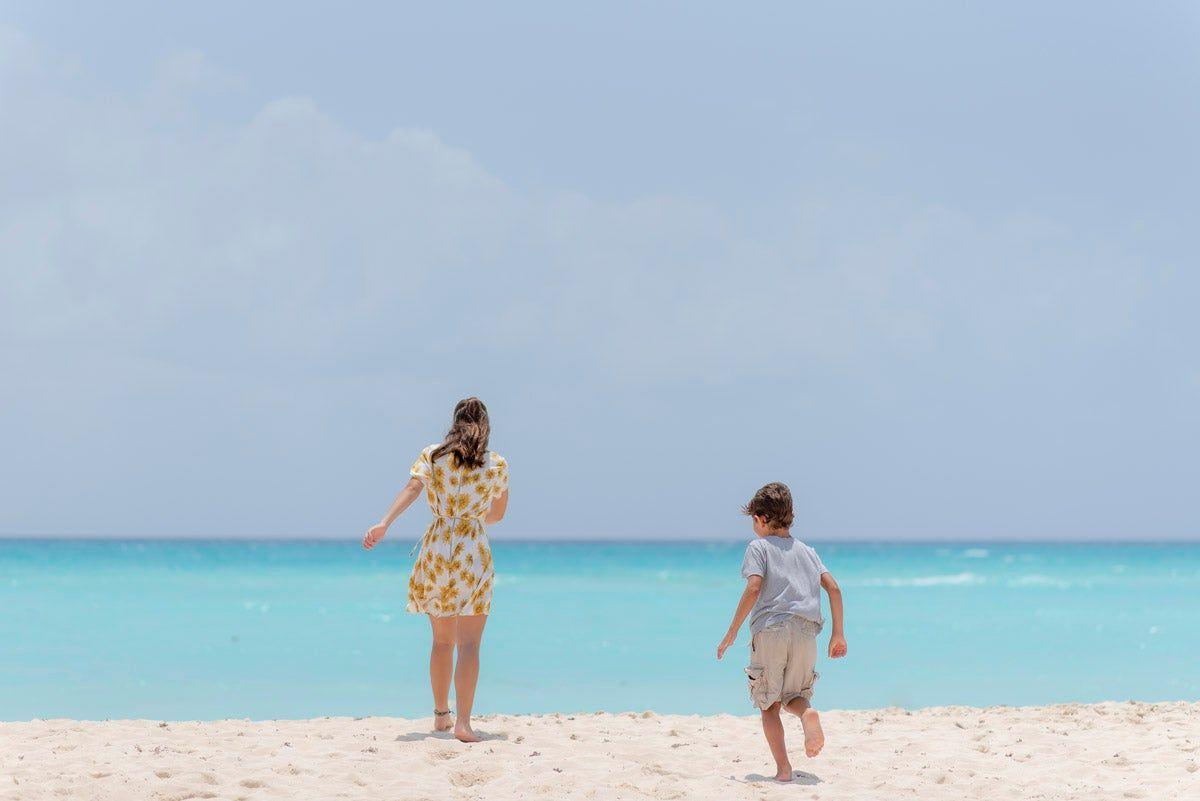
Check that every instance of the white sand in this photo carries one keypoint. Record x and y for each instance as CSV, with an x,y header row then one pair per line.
x,y
1102,751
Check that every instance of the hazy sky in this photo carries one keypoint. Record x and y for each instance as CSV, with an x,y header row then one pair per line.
x,y
932,264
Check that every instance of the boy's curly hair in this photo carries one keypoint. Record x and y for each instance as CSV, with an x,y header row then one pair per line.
x,y
773,503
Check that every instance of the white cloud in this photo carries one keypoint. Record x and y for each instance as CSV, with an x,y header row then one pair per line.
x,y
292,235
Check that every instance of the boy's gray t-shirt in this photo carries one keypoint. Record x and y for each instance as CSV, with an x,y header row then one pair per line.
x,y
791,581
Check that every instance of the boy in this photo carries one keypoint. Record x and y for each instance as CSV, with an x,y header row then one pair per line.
x,y
783,581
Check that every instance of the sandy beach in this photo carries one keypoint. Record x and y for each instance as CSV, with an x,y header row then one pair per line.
x,y
1100,751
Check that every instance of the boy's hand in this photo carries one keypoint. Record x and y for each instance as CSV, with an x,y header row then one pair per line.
x,y
730,636
837,646
374,534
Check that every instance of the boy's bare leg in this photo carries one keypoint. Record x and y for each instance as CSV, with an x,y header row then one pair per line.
x,y
466,673
814,736
773,730
441,668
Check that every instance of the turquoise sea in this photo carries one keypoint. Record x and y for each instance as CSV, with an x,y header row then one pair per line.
x,y
214,629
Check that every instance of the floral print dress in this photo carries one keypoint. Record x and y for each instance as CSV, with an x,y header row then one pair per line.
x,y
453,573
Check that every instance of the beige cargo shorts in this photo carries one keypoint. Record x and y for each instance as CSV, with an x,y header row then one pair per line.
x,y
782,659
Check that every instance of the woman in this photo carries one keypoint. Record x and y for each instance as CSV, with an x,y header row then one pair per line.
x,y
451,582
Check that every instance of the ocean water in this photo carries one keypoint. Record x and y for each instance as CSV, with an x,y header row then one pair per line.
x,y
215,629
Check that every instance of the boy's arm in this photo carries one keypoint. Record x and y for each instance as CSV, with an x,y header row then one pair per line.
x,y
837,639
749,596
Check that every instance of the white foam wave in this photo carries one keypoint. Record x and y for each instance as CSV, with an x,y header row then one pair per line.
x,y
1039,580
955,579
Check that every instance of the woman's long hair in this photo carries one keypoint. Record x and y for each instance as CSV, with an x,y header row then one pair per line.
x,y
467,439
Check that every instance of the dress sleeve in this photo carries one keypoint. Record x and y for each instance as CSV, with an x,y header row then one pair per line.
x,y
501,479
754,564
421,468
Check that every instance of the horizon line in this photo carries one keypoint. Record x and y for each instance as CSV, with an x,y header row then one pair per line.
x,y
586,540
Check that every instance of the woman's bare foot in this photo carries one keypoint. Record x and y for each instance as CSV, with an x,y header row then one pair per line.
x,y
814,737
442,721
783,773
464,733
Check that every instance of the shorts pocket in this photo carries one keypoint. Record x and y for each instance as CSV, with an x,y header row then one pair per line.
x,y
756,676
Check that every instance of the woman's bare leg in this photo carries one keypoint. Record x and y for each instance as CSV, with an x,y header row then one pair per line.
x,y
466,673
441,667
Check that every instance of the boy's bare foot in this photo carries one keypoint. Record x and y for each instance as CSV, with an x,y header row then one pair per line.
x,y
442,721
463,732
814,737
783,774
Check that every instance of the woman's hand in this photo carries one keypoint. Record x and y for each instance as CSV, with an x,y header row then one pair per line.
x,y
837,646
374,534
403,500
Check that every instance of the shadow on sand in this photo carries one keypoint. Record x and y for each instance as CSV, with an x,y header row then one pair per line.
x,y
798,777
417,736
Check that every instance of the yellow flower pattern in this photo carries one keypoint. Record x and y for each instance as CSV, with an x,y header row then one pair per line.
x,y
453,574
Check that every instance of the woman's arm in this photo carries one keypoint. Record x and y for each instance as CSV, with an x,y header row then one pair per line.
x,y
749,596
837,639
496,513
411,491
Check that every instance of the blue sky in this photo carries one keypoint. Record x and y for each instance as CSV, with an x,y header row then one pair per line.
x,y
933,265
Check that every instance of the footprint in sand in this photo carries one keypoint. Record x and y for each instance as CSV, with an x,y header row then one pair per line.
x,y
252,783
471,777
655,769
442,754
